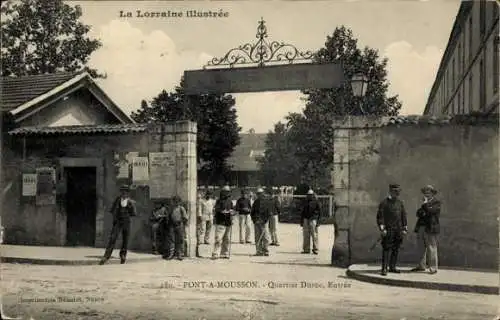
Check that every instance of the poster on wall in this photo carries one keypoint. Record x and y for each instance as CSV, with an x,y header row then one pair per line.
x,y
140,170
29,184
161,174
123,166
45,186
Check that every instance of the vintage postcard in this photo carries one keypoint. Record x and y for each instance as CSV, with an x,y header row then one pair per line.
x,y
249,160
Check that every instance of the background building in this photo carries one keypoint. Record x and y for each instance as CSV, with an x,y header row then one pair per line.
x,y
243,161
467,78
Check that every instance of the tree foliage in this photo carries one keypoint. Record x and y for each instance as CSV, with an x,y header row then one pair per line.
x,y
310,133
218,130
40,36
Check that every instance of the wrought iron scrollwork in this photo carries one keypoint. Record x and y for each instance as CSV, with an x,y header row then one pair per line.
x,y
262,52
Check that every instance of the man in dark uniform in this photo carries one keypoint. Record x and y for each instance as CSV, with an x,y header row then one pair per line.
x,y
391,221
224,212
243,208
122,209
157,222
309,220
261,213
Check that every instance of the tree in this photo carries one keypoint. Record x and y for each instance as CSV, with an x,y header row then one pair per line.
x,y
311,133
218,130
279,164
40,36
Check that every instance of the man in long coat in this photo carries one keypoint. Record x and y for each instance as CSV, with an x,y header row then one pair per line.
x,y
428,229
392,224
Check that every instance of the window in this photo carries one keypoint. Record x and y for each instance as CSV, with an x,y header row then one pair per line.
x,y
495,64
459,102
470,39
471,94
482,86
463,54
463,98
482,17
459,63
453,66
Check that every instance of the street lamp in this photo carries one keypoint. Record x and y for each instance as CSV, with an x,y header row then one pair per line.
x,y
359,84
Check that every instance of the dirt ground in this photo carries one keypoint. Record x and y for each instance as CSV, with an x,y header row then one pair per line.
x,y
286,285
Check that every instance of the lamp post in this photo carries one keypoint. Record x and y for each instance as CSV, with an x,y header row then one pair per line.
x,y
359,84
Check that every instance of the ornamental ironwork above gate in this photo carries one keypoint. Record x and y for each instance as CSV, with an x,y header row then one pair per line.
x,y
261,53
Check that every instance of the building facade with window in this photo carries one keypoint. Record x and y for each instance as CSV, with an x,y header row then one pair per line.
x,y
467,79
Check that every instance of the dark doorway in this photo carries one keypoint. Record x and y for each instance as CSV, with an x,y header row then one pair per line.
x,y
81,205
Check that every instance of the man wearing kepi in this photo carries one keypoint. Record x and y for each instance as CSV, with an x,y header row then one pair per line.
x,y
392,224
122,209
223,222
243,207
428,228
261,213
309,221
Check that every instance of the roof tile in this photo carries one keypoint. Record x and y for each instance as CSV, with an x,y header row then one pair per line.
x,y
86,129
16,91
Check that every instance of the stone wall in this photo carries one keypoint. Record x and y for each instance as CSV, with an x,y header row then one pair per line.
x,y
459,158
27,223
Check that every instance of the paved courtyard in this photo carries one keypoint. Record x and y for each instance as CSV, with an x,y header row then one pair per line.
x,y
286,285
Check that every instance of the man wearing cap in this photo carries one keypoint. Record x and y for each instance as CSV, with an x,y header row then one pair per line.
x,y
204,217
177,221
274,220
309,221
122,209
261,212
223,222
243,208
428,229
392,224
157,222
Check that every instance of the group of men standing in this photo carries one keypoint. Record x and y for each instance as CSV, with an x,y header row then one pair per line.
x,y
393,226
263,212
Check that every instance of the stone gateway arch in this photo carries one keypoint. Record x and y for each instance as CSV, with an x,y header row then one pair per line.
x,y
258,67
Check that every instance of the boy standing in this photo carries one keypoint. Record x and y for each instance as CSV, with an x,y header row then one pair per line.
x,y
177,220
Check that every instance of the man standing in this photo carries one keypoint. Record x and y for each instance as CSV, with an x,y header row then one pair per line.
x,y
428,229
157,220
122,209
391,220
177,220
261,212
243,208
223,223
309,221
274,220
204,217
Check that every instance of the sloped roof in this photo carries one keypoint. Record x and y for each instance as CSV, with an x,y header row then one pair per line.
x,y
23,96
243,157
16,91
84,129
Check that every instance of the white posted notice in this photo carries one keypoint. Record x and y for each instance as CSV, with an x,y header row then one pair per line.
x,y
162,174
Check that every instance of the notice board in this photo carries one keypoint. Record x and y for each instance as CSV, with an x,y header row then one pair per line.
x,y
162,174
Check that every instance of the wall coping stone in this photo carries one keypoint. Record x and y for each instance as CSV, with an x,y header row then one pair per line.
x,y
474,119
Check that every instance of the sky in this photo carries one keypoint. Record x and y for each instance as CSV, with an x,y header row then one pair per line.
x,y
144,55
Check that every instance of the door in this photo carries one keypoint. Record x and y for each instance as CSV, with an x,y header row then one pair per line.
x,y
81,206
